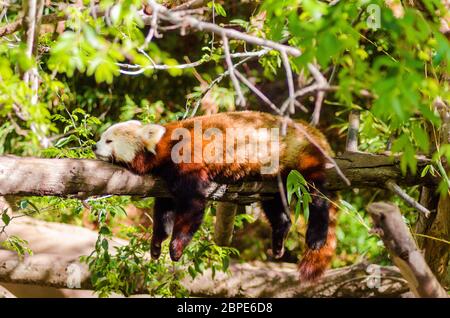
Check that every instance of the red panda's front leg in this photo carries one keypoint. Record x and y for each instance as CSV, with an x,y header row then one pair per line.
x,y
163,219
188,190
280,222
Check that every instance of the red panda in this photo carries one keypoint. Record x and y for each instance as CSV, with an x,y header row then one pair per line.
x,y
190,154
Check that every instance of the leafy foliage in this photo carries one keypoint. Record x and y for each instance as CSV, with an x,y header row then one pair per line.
x,y
296,184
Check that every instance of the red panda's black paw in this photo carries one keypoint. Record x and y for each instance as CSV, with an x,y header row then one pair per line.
x,y
277,249
278,253
155,251
315,240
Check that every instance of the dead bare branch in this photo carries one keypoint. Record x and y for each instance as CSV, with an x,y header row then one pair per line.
x,y
240,97
188,21
322,81
257,92
391,185
389,224
290,81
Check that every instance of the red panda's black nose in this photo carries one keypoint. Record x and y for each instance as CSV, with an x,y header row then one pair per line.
x,y
94,147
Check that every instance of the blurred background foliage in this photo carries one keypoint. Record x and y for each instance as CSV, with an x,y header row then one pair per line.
x,y
391,74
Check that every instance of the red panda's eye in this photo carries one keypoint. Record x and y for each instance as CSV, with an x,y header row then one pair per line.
x,y
108,141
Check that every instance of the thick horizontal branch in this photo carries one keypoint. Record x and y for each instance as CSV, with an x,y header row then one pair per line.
x,y
83,178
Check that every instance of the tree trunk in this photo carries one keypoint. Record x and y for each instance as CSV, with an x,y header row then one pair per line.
x,y
437,226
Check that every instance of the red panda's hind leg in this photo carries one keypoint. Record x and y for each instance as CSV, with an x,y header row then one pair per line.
x,y
163,219
188,218
316,233
280,222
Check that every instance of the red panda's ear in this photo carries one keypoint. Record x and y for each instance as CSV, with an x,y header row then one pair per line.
x,y
151,134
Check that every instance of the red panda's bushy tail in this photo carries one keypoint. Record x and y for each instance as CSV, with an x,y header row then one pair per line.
x,y
315,262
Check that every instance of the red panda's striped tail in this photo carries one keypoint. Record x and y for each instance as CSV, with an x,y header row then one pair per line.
x,y
315,262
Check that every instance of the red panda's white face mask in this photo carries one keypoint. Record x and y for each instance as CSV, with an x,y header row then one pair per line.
x,y
121,142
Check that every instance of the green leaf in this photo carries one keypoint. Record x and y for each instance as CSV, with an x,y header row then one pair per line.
x,y
192,272
64,141
425,171
306,212
105,244
6,218
225,263
104,230
218,8
421,137
297,184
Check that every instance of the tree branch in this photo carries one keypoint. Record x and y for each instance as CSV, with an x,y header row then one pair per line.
x,y
322,81
84,178
389,224
188,21
240,97
290,81
391,185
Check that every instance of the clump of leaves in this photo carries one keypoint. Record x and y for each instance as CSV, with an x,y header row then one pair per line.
x,y
297,187
129,269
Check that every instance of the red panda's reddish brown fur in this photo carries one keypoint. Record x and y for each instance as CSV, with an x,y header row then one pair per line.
x,y
314,262
187,179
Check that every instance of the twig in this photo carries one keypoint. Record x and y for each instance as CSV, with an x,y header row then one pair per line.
x,y
391,185
142,69
157,67
321,80
214,22
334,2
187,5
240,97
32,21
258,93
305,90
153,28
283,194
221,77
290,80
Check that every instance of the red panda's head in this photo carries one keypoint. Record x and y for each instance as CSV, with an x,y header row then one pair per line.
x,y
123,141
